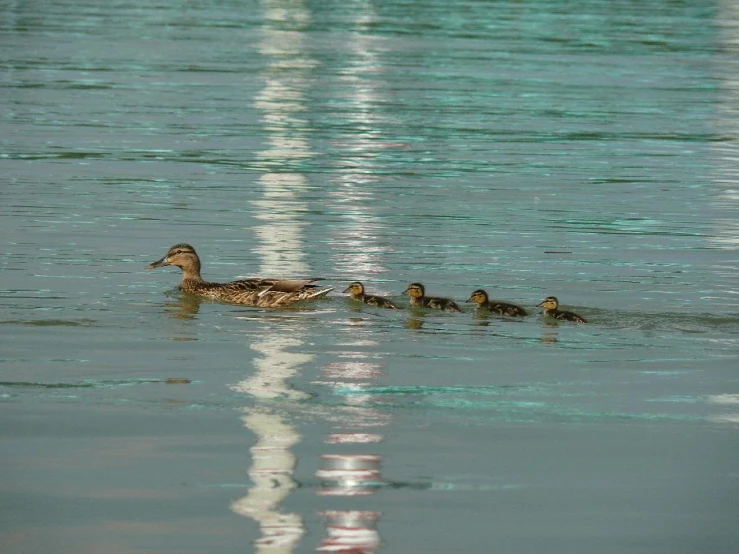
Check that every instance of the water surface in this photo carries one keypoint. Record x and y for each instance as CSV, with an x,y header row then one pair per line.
x,y
582,149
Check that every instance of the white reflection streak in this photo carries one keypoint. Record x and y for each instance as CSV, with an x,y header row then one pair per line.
x,y
359,253
281,251
281,101
727,121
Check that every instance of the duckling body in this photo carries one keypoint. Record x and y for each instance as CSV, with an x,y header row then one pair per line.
x,y
551,309
356,290
502,308
417,292
267,293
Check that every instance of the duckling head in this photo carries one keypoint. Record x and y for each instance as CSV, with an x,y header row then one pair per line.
x,y
182,256
549,303
356,289
415,290
479,297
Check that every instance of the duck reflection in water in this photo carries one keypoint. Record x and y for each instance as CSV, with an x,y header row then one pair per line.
x,y
186,307
351,531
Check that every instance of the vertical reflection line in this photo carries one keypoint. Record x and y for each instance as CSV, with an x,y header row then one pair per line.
x,y
280,248
359,247
273,462
281,101
359,254
727,229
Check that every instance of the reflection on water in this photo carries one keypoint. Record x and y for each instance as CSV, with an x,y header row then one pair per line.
x,y
281,250
185,307
350,531
726,180
354,473
539,147
361,242
280,244
271,473
272,460
349,474
730,401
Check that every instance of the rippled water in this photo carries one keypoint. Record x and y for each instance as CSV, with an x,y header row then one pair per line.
x,y
582,149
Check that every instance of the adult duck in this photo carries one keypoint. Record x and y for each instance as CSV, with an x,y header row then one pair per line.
x,y
266,293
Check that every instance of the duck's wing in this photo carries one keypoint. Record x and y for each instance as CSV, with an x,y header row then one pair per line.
x,y
277,285
380,302
570,316
505,308
269,298
442,303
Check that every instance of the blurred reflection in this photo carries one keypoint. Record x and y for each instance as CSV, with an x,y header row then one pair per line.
x,y
182,308
361,245
358,472
726,182
280,244
730,402
281,251
350,531
272,461
361,241
349,474
185,307
271,473
414,323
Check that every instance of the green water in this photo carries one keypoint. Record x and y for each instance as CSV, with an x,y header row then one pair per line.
x,y
580,149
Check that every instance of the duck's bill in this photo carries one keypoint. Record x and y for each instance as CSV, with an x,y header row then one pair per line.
x,y
158,263
541,304
347,289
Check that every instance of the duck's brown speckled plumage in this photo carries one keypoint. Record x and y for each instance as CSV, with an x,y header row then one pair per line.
x,y
267,293
480,297
551,309
356,290
417,292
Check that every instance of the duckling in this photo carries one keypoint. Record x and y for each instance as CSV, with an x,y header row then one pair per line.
x,y
502,308
417,293
267,293
551,304
356,289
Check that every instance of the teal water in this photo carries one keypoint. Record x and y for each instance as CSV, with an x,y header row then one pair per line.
x,y
582,149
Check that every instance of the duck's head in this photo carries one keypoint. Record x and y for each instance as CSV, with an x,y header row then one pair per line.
x,y
356,288
549,303
479,297
180,255
415,290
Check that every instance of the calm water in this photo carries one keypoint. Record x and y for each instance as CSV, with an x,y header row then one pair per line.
x,y
584,149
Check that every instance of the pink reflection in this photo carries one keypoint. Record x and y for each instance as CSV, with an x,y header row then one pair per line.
x,y
345,438
353,370
350,475
352,532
